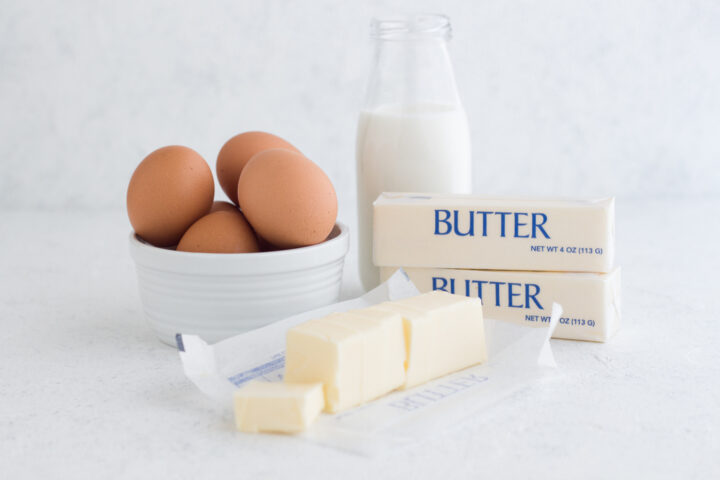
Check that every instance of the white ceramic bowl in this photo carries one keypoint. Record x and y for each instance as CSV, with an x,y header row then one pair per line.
x,y
218,295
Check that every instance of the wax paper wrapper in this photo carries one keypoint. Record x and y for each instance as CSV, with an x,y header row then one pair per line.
x,y
517,355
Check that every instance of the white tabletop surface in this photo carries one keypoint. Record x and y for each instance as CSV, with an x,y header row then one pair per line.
x,y
86,391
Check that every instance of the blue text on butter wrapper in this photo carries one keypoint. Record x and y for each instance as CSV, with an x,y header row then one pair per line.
x,y
503,294
507,224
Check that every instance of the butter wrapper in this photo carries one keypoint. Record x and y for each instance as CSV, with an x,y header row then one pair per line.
x,y
493,233
517,355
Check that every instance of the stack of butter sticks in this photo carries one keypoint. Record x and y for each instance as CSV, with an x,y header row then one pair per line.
x,y
518,255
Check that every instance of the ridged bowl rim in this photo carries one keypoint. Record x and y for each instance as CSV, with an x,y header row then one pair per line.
x,y
245,264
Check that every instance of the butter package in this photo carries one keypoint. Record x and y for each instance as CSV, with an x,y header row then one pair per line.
x,y
516,356
591,301
496,233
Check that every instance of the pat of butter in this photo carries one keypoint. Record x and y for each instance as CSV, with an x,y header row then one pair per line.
x,y
502,233
277,407
590,301
358,355
444,333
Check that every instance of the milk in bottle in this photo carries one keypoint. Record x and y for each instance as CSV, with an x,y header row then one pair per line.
x,y
412,134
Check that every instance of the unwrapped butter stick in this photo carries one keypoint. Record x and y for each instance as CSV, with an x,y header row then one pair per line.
x,y
363,354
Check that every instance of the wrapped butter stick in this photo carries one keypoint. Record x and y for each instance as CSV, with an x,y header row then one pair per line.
x,y
591,301
516,355
493,233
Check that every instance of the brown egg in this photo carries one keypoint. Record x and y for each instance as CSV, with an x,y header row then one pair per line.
x,y
237,152
222,206
288,200
220,232
170,189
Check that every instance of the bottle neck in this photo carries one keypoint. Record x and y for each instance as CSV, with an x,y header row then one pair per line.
x,y
411,64
411,27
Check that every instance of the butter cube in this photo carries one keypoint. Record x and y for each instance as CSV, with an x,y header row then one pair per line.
x,y
277,407
357,355
444,333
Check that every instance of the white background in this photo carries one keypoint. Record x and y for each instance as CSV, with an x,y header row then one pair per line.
x,y
573,98
564,97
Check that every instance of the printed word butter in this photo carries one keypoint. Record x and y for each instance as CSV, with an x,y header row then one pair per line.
x,y
503,233
590,301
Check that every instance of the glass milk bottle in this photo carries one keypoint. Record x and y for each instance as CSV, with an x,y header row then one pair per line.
x,y
412,132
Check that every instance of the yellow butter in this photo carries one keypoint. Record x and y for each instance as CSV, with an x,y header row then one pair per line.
x,y
363,354
277,407
444,333
357,355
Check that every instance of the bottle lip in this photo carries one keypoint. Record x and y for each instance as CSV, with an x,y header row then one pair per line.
x,y
411,26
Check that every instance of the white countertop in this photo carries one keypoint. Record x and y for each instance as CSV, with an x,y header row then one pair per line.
x,y
86,391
